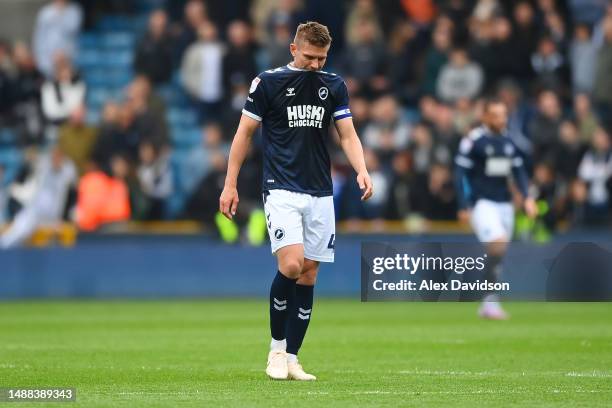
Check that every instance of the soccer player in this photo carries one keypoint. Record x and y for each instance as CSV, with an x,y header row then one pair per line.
x,y
487,158
295,105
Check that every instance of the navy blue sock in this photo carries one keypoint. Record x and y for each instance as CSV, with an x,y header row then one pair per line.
x,y
282,294
299,318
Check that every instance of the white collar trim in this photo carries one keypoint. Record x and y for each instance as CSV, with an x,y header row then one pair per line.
x,y
291,67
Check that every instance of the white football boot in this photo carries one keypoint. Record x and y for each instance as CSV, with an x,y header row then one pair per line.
x,y
296,372
277,365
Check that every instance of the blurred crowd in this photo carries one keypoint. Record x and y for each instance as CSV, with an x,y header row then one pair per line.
x,y
417,72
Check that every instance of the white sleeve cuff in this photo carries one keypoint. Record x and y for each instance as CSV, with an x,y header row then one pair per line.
x,y
251,115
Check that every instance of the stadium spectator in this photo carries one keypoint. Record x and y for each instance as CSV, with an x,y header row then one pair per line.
x,y
525,33
548,65
548,193
202,72
602,91
57,26
101,199
387,131
360,107
519,114
156,178
3,198
363,13
585,118
484,11
421,12
444,132
587,11
239,69
203,205
398,205
269,14
139,204
425,152
459,78
21,188
568,152
436,57
76,139
108,141
599,29
555,26
7,84
464,116
54,176
596,172
363,63
277,48
140,88
198,162
154,53
441,201
63,94
185,32
504,50
239,66
583,58
26,96
544,127
402,51
149,121
373,209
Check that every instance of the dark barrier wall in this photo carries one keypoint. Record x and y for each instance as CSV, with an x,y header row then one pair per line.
x,y
171,266
163,266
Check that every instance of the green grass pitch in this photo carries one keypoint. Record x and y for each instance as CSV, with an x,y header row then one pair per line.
x,y
212,353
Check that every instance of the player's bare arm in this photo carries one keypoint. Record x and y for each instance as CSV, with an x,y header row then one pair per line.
x,y
351,145
531,208
228,202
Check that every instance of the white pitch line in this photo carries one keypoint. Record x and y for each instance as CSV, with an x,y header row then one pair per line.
x,y
451,373
476,392
594,374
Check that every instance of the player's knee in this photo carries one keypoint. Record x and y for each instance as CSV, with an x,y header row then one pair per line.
x,y
291,268
497,248
308,277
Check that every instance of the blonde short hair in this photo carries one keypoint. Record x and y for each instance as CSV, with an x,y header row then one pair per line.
x,y
315,33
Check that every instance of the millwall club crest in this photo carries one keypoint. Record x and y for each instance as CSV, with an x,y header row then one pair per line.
x,y
279,234
323,92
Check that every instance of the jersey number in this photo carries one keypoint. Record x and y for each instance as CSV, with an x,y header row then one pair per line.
x,y
332,241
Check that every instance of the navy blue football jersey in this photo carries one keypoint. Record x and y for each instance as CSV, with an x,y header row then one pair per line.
x,y
485,162
295,108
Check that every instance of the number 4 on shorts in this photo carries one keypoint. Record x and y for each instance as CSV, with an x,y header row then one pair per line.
x,y
332,241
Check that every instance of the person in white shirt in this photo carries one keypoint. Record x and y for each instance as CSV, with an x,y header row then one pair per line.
x,y
55,174
56,30
202,71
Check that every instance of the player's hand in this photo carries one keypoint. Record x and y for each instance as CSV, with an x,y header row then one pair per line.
x,y
531,208
228,202
464,216
365,184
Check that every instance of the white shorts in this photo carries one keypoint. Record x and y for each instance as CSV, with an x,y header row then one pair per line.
x,y
492,220
298,218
